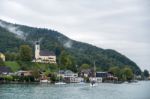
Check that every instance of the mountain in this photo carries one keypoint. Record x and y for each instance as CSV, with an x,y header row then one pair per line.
x,y
14,35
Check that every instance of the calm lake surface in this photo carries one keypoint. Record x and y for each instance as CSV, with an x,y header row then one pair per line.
x,y
140,90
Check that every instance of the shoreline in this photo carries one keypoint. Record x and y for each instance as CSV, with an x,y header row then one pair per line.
x,y
66,83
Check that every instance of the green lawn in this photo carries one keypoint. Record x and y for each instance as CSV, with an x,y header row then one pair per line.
x,y
30,65
13,65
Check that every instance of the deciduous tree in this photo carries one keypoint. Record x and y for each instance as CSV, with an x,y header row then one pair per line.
x,y
25,53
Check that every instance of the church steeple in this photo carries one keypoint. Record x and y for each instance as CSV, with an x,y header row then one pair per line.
x,y
37,50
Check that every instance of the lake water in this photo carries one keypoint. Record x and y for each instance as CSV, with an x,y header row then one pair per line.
x,y
140,90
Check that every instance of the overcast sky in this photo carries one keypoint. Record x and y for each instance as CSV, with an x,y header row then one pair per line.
x,y
123,25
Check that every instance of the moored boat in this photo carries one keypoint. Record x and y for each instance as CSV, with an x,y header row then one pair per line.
x,y
44,81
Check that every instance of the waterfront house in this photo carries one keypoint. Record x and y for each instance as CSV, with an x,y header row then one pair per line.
x,y
69,73
61,73
66,73
2,56
73,79
24,73
106,76
101,76
69,76
44,56
85,73
138,77
4,70
43,78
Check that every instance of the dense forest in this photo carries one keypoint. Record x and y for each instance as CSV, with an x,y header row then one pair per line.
x,y
12,36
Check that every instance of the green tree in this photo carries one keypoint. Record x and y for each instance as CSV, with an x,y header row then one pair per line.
x,y
146,73
84,66
127,73
25,53
66,60
11,56
63,59
8,78
2,62
35,73
54,78
115,71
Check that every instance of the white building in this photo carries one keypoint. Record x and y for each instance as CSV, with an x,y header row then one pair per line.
x,y
2,56
69,76
44,56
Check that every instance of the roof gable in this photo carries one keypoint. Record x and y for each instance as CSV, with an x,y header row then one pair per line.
x,y
46,53
5,69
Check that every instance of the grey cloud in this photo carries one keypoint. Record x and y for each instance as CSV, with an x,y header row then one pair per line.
x,y
14,30
68,44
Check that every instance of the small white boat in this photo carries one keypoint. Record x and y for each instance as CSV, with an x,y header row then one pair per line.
x,y
93,79
45,81
60,83
92,85
125,82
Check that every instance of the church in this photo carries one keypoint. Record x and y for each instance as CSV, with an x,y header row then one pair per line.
x,y
44,56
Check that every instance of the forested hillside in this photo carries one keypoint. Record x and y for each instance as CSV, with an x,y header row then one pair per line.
x,y
14,35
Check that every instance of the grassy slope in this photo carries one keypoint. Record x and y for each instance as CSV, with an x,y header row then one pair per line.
x,y
13,65
43,67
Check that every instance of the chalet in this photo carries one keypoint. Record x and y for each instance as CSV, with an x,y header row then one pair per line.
x,y
5,70
24,73
67,73
102,74
138,77
99,76
105,76
44,56
69,76
2,56
85,73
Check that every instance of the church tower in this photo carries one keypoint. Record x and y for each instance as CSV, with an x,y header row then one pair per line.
x,y
37,50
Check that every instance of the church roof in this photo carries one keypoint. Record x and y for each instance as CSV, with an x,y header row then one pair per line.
x,y
46,53
5,69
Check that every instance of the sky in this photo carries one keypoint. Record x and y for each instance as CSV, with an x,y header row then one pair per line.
x,y
122,25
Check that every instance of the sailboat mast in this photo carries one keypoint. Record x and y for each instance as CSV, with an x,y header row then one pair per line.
x,y
94,69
